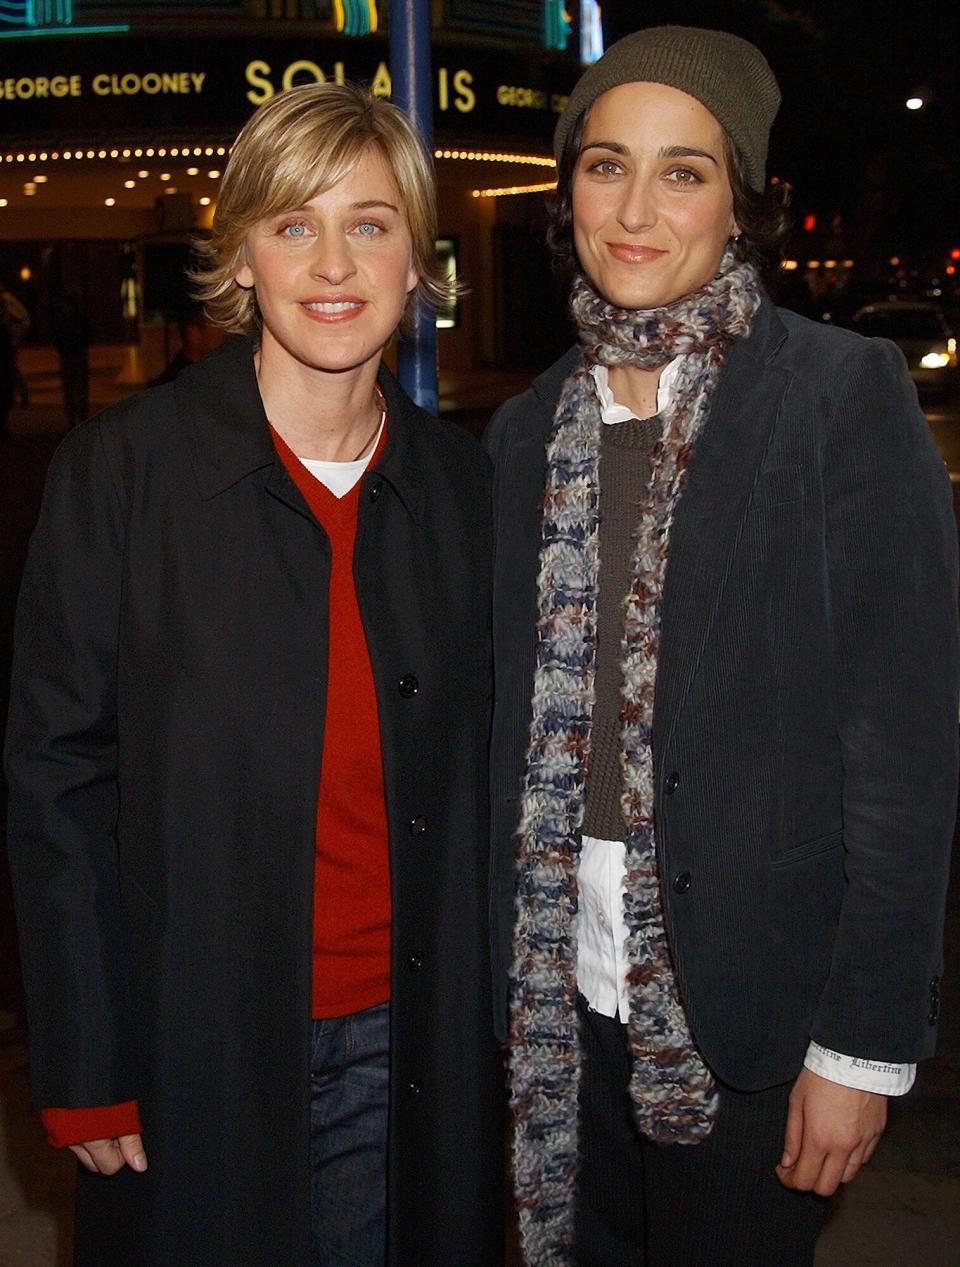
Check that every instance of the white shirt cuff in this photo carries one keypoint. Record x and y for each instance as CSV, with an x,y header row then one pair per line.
x,y
863,1075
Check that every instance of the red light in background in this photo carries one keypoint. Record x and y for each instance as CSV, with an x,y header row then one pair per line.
x,y
955,253
951,269
809,223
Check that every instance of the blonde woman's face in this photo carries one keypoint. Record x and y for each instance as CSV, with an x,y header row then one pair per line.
x,y
652,202
332,277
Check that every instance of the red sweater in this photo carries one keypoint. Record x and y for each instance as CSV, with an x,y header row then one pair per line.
x,y
351,890
351,893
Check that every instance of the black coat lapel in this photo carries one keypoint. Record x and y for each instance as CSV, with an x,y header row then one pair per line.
x,y
711,512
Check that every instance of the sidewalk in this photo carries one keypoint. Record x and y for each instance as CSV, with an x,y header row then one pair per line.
x,y
903,1211
36,1182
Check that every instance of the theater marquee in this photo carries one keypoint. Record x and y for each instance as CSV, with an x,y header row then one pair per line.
x,y
62,91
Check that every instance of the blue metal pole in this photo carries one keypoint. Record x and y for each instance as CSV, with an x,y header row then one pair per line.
x,y
413,92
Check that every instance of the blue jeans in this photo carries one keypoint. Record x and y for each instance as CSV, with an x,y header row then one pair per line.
x,y
348,1138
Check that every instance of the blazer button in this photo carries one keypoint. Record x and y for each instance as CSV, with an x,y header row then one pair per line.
x,y
375,491
671,783
682,882
408,686
414,1087
414,963
934,1014
418,825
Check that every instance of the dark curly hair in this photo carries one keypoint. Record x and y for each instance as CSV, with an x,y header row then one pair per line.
x,y
763,218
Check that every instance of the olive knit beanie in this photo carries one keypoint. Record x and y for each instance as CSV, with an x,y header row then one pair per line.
x,y
725,73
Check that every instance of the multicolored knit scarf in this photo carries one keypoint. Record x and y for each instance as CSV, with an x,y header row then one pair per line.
x,y
672,1092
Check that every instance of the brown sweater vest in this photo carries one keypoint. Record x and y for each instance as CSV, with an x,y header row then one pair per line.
x,y
625,450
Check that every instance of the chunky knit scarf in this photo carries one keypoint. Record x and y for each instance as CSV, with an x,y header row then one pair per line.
x,y
671,1089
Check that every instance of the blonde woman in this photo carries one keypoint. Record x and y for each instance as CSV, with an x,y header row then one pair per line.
x,y
247,774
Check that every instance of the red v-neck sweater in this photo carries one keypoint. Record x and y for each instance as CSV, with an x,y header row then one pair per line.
x,y
351,893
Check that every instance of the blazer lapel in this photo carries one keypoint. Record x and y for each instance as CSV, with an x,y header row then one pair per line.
x,y
712,509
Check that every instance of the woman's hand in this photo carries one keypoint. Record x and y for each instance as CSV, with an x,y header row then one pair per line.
x,y
107,1156
832,1131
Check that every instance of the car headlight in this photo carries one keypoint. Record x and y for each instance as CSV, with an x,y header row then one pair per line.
x,y
935,360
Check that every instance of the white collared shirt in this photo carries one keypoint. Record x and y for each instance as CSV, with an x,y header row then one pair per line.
x,y
612,411
601,926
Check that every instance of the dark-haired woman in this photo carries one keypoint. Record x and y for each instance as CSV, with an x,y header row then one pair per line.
x,y
725,736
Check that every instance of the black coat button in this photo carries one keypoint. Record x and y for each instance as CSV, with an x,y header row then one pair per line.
x,y
414,1087
671,783
934,1014
375,491
414,963
682,882
418,825
408,686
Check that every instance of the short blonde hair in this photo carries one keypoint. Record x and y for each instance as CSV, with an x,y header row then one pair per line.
x,y
295,146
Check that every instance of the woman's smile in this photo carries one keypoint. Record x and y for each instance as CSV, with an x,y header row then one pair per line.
x,y
628,253
333,310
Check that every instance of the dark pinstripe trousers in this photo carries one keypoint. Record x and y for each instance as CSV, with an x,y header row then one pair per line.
x,y
715,1204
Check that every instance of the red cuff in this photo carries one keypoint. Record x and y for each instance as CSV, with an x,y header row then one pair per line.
x,y
77,1126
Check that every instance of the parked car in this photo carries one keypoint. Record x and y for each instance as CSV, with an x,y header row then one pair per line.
x,y
922,335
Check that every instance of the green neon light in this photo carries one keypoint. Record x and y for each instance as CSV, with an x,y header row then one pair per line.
x,y
61,31
58,11
557,23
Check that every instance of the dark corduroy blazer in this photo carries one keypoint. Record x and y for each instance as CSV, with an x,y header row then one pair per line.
x,y
806,701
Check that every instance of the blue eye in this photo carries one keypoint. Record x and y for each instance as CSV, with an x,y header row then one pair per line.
x,y
296,230
367,229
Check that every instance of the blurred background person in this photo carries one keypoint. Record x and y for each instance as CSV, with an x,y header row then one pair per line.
x,y
70,335
17,320
198,336
7,378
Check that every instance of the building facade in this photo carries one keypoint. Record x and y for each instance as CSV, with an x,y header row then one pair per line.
x,y
116,121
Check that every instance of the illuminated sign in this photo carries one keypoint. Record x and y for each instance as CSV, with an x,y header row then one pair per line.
x,y
591,31
56,92
21,18
27,13
556,25
356,17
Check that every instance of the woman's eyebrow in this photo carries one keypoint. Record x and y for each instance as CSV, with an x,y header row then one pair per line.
x,y
685,151
614,146
375,202
666,151
366,205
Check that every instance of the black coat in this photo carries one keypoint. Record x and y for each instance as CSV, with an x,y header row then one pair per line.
x,y
805,721
164,757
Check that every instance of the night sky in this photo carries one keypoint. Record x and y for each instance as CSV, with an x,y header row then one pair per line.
x,y
844,138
